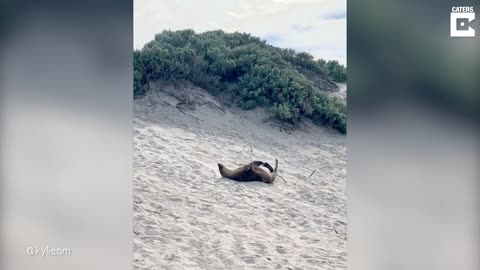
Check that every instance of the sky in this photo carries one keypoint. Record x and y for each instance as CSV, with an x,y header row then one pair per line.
x,y
314,26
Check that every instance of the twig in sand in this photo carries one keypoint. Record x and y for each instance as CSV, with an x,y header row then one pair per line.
x,y
335,229
282,178
312,173
251,149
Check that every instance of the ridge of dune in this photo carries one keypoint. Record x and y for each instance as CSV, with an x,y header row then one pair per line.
x,y
187,217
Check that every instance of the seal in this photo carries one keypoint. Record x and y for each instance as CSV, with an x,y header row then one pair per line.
x,y
250,172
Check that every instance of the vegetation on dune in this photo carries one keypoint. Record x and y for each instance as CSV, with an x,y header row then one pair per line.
x,y
336,71
257,73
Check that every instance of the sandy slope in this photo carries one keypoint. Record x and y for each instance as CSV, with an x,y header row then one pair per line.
x,y
187,217
342,91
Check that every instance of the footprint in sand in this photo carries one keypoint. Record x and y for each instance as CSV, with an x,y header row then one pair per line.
x,y
280,250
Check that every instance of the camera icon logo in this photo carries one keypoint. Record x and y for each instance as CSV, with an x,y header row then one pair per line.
x,y
461,19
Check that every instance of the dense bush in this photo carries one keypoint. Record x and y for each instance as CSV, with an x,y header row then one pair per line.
x,y
336,71
263,75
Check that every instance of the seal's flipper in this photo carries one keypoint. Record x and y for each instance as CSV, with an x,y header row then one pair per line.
x,y
266,165
256,163
274,173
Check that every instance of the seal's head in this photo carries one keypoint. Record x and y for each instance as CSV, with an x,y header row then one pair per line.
x,y
221,168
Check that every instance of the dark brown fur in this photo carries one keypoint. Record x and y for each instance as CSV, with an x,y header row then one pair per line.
x,y
250,172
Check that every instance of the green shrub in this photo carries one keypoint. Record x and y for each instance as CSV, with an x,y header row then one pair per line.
x,y
336,71
262,75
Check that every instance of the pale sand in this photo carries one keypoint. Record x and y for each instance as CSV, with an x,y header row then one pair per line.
x,y
187,217
342,91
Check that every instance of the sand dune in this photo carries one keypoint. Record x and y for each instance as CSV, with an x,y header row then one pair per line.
x,y
187,217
